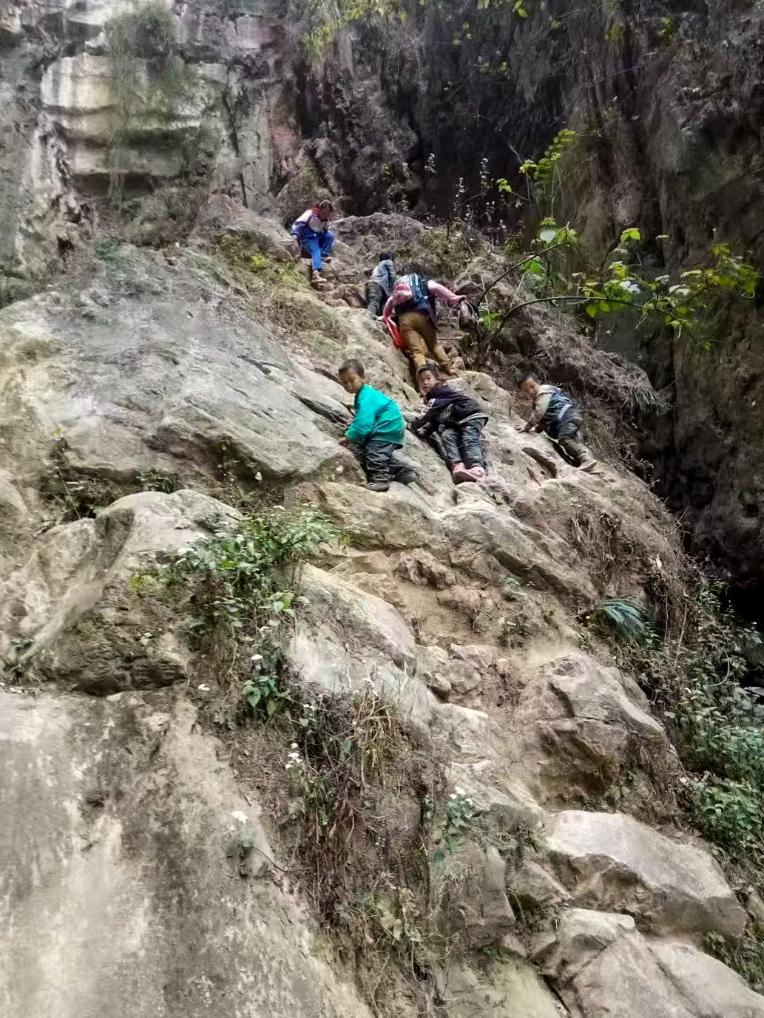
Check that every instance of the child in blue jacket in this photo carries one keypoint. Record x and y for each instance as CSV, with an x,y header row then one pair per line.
x,y
376,431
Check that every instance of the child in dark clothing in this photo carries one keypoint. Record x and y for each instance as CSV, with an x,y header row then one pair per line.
x,y
458,421
376,431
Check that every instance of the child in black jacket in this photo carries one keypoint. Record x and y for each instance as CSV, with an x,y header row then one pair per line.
x,y
458,421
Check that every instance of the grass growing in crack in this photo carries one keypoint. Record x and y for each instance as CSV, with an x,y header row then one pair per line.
x,y
342,746
279,290
241,583
449,823
620,617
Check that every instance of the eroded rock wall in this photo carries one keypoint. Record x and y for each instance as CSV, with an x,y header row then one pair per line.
x,y
138,857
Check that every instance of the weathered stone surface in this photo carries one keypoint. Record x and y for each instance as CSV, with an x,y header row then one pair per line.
x,y
580,725
612,861
710,988
71,607
367,620
508,989
602,967
463,732
119,877
470,888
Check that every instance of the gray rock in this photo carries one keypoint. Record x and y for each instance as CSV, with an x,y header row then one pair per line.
x,y
75,610
580,725
469,885
508,988
117,815
602,966
610,861
366,619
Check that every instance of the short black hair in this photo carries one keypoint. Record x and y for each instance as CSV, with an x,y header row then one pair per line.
x,y
526,376
325,203
351,364
387,256
429,366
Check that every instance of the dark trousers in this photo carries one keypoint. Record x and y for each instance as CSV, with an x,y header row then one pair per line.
x,y
380,461
376,298
570,437
461,444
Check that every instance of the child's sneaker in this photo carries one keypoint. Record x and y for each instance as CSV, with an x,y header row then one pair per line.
x,y
461,474
477,472
407,477
588,465
378,485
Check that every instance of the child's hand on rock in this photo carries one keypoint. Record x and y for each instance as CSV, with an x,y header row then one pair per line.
x,y
345,442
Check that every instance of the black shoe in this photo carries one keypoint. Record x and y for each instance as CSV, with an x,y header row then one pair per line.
x,y
407,477
378,485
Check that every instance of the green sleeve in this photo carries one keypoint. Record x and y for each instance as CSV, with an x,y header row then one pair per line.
x,y
365,416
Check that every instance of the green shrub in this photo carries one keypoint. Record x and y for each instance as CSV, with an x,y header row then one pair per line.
x,y
729,813
716,726
242,578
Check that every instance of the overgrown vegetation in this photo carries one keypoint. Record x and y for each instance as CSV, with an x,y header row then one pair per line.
x,y
620,617
698,681
148,78
686,305
239,588
277,290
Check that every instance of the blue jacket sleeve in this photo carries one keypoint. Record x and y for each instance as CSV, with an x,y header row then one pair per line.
x,y
365,416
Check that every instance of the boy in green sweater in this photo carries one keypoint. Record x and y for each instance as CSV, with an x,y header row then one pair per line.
x,y
376,431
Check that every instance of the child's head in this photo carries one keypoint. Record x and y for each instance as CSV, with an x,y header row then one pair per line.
x,y
528,384
427,377
351,374
387,256
324,208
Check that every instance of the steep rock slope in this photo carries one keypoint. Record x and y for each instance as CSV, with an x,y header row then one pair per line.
x,y
271,102
142,862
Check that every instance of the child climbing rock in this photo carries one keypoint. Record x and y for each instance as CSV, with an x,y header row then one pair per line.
x,y
458,421
376,432
557,415
380,285
411,306
312,233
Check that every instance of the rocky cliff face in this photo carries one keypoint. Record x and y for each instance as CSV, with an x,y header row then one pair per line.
x,y
273,104
525,853
140,857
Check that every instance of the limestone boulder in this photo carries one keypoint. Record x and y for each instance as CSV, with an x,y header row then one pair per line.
x,y
507,988
467,674
135,871
613,862
366,620
711,989
580,725
602,967
400,518
137,384
73,614
489,543
469,885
